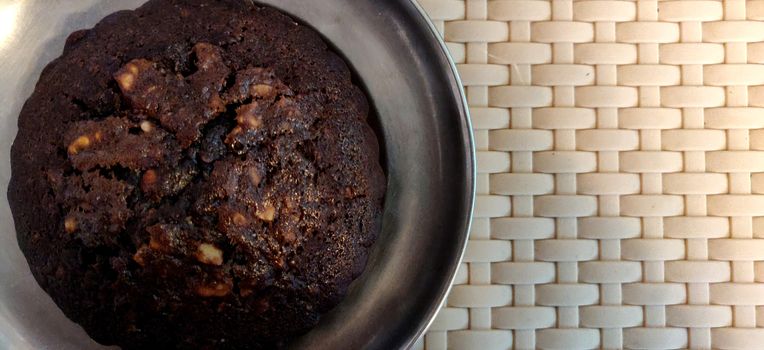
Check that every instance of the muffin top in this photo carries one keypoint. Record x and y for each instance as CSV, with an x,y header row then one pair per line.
x,y
196,174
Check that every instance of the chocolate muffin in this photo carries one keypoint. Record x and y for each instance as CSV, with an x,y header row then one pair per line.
x,y
196,174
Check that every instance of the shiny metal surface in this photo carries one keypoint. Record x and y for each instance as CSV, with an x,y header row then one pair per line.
x,y
423,123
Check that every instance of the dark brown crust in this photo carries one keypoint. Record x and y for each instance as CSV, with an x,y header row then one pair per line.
x,y
114,228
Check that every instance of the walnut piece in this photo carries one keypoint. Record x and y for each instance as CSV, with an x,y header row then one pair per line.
x,y
266,213
139,256
262,90
70,225
126,78
213,290
79,144
149,179
155,244
239,219
147,126
209,254
247,116
254,176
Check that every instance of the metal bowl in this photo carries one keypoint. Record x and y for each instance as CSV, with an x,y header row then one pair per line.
x,y
422,120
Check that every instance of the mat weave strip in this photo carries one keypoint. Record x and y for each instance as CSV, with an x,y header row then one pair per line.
x,y
621,186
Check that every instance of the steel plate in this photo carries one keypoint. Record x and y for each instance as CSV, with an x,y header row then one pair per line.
x,y
422,120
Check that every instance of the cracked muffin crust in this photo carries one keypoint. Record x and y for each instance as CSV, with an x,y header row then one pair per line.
x,y
196,174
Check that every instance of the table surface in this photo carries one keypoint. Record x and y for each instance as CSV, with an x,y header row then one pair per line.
x,y
620,159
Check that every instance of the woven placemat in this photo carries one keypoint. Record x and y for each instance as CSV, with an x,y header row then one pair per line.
x,y
620,175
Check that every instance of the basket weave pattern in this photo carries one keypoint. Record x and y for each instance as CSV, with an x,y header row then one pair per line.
x,y
620,150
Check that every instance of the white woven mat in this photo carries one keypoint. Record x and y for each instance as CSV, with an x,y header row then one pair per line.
x,y
620,151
